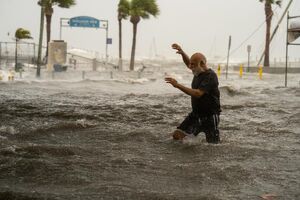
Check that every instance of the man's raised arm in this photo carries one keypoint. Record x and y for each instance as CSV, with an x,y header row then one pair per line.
x,y
185,57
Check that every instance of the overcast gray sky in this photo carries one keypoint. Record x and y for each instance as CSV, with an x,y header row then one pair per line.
x,y
198,25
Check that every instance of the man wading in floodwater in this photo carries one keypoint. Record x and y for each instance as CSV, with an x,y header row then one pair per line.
x,y
205,97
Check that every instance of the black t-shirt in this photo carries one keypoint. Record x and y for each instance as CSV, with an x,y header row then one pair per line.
x,y
209,103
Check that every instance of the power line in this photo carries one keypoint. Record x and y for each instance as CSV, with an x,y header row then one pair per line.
x,y
256,30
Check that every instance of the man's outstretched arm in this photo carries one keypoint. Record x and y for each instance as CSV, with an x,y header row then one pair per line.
x,y
189,91
185,57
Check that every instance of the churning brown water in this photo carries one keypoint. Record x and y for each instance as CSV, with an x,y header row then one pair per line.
x,y
110,139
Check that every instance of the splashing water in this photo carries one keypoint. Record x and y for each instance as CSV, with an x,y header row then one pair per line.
x,y
111,139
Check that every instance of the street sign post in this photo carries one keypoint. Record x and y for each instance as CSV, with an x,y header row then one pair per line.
x,y
249,51
292,33
86,22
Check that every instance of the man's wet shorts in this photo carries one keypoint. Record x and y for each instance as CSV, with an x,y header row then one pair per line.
x,y
194,124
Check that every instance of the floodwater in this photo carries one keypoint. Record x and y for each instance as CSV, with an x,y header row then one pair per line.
x,y
111,139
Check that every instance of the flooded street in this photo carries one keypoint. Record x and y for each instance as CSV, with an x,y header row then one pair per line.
x,y
111,139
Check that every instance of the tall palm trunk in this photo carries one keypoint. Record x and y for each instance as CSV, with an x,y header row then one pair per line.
x,y
269,15
48,13
133,46
16,55
39,61
120,45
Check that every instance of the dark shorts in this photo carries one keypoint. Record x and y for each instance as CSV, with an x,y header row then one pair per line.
x,y
193,124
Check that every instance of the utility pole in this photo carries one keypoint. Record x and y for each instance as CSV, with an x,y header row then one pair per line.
x,y
275,30
229,45
39,60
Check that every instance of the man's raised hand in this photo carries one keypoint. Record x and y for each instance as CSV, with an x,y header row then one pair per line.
x,y
178,48
172,81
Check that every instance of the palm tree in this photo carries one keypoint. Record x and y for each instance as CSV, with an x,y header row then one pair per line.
x,y
140,9
269,15
123,13
19,35
49,12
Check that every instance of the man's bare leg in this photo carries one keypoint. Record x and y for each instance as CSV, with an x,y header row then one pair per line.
x,y
178,135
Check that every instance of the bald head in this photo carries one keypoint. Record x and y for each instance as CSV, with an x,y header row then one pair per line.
x,y
198,58
198,63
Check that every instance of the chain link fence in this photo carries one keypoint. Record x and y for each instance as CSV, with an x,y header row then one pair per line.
x,y
27,53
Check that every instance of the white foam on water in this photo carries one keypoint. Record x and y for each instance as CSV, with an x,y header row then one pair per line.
x,y
3,138
8,130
